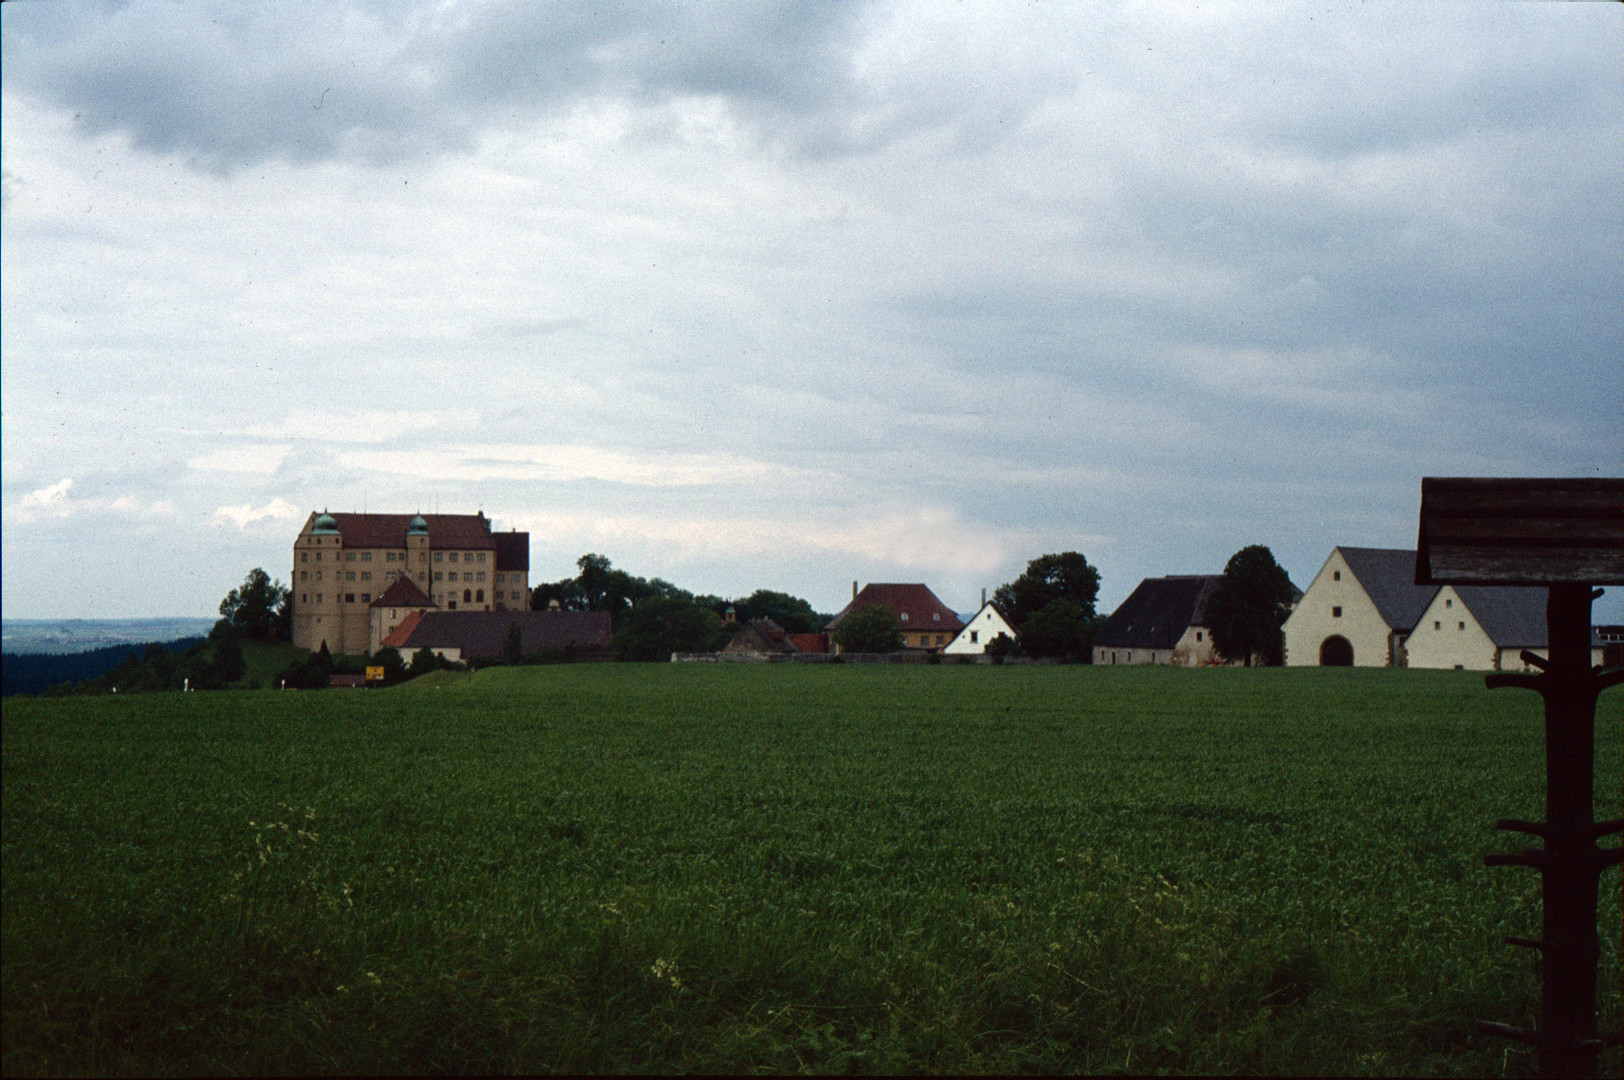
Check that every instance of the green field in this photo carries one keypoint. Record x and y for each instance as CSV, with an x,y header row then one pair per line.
x,y
731,868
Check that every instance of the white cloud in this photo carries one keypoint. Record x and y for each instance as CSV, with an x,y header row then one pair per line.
x,y
277,511
54,501
46,500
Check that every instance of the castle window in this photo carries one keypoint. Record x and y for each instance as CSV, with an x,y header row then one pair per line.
x,y
318,575
452,556
467,597
304,575
479,596
349,556
480,576
304,598
389,556
318,556
366,575
439,575
438,555
349,598
366,556
318,598
350,576
304,556
366,598
481,556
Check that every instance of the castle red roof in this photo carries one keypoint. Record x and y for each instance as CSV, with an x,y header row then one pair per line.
x,y
467,531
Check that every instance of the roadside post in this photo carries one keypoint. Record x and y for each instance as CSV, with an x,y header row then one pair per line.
x,y
1566,536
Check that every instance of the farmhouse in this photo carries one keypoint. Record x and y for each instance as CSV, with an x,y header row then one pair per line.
x,y
483,635
343,562
1161,622
926,622
984,627
1365,609
1484,628
1358,610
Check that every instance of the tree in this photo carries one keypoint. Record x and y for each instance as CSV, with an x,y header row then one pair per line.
x,y
871,630
662,625
255,608
424,661
393,664
1059,630
791,612
1048,578
1248,607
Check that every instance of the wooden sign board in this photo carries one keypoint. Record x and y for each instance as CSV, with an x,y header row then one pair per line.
x,y
1478,531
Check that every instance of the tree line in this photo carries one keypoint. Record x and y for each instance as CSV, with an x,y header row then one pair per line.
x,y
1051,607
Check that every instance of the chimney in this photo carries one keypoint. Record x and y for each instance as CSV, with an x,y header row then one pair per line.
x,y
854,591
983,596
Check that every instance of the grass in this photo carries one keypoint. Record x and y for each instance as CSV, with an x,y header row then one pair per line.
x,y
733,868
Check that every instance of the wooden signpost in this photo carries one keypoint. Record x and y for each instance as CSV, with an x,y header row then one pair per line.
x,y
1567,536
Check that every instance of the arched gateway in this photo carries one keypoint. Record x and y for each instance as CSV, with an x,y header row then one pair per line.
x,y
1336,651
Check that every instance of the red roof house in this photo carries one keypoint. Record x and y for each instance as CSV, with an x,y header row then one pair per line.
x,y
926,622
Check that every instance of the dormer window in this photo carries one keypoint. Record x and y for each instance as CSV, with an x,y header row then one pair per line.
x,y
903,617
936,616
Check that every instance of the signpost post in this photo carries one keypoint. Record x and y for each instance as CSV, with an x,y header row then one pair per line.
x,y
1567,536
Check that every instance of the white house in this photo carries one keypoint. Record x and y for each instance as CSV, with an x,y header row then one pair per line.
x,y
1483,628
1357,611
1365,609
983,628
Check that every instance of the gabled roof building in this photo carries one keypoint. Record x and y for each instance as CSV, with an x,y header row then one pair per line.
x,y
984,627
343,562
1163,621
926,622
1358,610
1364,609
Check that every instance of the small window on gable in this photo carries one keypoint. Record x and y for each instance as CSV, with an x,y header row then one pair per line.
x,y
1436,625
1336,613
1462,626
1449,603
1336,575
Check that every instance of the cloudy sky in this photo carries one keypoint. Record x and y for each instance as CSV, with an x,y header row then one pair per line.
x,y
787,295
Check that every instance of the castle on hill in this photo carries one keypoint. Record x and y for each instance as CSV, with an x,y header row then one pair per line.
x,y
343,564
